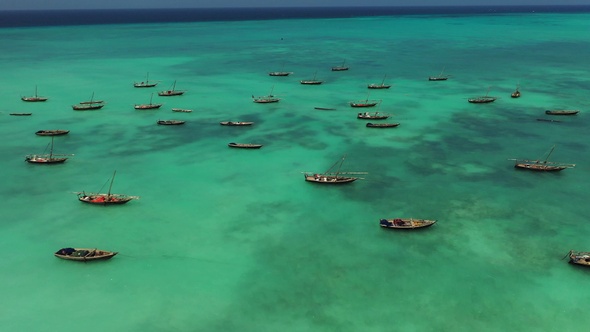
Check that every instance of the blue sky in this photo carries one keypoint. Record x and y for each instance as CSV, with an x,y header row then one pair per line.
x,y
115,4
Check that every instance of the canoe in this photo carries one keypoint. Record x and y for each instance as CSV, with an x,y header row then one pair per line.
x,y
562,112
245,145
21,114
170,122
382,125
324,108
235,123
84,254
406,223
181,110
52,132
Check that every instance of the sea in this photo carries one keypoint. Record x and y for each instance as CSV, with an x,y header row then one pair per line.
x,y
225,239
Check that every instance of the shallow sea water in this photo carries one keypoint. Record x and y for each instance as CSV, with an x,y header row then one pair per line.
x,y
236,240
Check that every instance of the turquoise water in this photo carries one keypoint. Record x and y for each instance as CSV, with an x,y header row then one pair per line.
x,y
236,240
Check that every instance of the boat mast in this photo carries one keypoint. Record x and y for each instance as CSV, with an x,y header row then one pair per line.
x,y
550,152
152,96
383,81
111,186
339,166
51,149
147,78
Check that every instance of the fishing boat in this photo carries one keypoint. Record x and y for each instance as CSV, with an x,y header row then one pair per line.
x,y
562,112
84,254
266,99
171,92
482,99
381,85
364,103
516,93
34,98
181,110
406,223
341,67
439,77
46,159
372,116
244,145
313,81
52,132
280,73
542,165
146,83
105,199
324,108
21,114
382,125
89,105
236,123
149,106
170,122
333,175
579,257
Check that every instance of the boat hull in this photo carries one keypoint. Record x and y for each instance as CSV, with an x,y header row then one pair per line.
x,y
103,199
235,124
44,160
579,258
329,179
147,107
561,112
539,167
170,122
244,145
401,223
382,125
84,254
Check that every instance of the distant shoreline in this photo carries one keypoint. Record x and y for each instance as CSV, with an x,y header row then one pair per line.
x,y
32,18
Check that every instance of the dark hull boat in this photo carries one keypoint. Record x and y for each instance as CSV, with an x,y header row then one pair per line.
x,y
84,254
406,223
146,84
341,67
562,112
54,132
244,145
235,123
34,98
46,159
105,199
280,73
482,100
579,257
372,116
382,125
330,176
21,114
542,165
171,92
181,110
149,106
170,122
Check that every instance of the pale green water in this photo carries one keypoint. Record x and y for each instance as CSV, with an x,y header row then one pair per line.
x,y
235,240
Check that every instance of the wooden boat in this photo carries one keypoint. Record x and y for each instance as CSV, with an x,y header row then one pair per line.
x,y
46,159
235,123
89,105
181,110
439,77
171,92
365,103
562,112
406,223
341,67
146,84
382,125
84,254
332,177
381,85
324,108
244,145
542,166
170,122
280,73
34,98
21,114
149,106
266,99
52,132
105,199
372,116
313,81
516,93
482,99
579,257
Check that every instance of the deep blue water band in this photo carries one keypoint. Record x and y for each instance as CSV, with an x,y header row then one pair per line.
x,y
122,16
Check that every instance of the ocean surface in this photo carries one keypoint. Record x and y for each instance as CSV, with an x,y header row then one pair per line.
x,y
235,240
